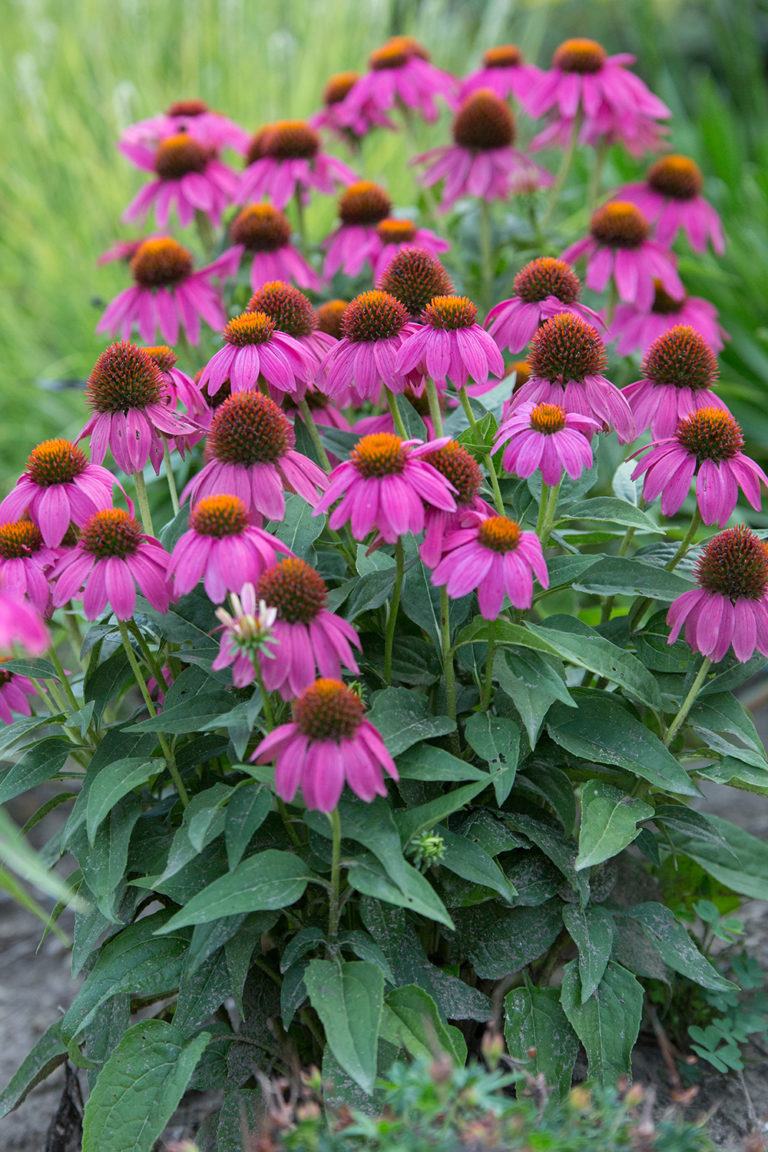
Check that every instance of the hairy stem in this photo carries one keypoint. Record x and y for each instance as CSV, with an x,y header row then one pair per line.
x,y
688,703
449,672
394,412
433,400
311,427
334,907
143,502
487,458
389,638
169,476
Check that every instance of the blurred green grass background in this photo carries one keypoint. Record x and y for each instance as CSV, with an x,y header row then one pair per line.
x,y
73,75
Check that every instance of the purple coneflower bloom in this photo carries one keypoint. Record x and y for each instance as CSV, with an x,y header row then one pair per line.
x,y
188,174
223,548
262,234
167,294
285,159
243,635
24,563
348,125
462,472
292,314
255,350
414,277
58,488
450,344
707,444
111,558
362,206
635,329
482,160
679,370
618,247
329,317
21,624
671,198
192,117
542,289
730,606
395,236
566,361
374,326
493,555
400,76
504,71
546,437
14,693
384,485
328,743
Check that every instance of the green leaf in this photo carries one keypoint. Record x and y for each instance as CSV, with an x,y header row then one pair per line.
x,y
495,739
608,1022
370,591
504,632
563,570
366,875
410,821
139,1087
740,861
48,1053
532,685
188,716
609,820
38,765
112,783
269,880
612,509
722,712
246,812
428,762
676,947
105,681
556,845
468,860
500,941
298,528
403,719
34,669
592,930
104,862
413,1021
616,576
603,731
421,601
349,998
533,1019
201,992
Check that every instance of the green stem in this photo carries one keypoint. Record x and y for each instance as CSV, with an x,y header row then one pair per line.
x,y
449,672
269,715
334,907
685,543
498,499
170,477
314,435
74,702
485,699
142,685
395,414
547,509
435,413
613,299
486,252
688,703
301,223
389,638
562,175
595,176
154,664
205,232
143,502
292,835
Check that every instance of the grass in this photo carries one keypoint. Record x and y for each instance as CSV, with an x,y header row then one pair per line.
x,y
74,75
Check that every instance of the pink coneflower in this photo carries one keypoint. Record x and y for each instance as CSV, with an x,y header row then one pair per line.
x,y
192,117
618,247
329,317
542,289
243,635
250,453
15,691
730,606
678,370
482,160
384,485
262,235
284,160
180,388
414,277
111,558
395,236
126,390
495,556
450,344
362,206
188,174
223,548
328,743
255,350
707,444
566,360
374,326
24,563
504,71
635,329
348,126
20,624
308,640
612,102
462,472
401,76
292,313
58,488
546,437
671,198
167,294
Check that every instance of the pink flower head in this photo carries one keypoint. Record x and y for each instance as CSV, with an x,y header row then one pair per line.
x,y
634,329
244,635
414,277
545,436
193,117
291,312
679,370
309,639
707,444
111,558
729,608
450,344
348,126
384,485
223,548
401,76
618,247
58,488
362,206
462,472
671,198
374,326
262,234
250,453
15,691
167,294
613,103
542,289
493,555
127,392
504,71
566,362
188,174
284,160
253,350
482,160
180,388
24,563
328,743
395,236
20,624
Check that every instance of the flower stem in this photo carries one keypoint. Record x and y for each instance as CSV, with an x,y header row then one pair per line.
x,y
395,414
487,458
314,435
595,176
687,540
486,252
562,175
485,698
547,509
73,701
449,671
688,703
143,502
269,715
205,232
170,477
301,223
389,638
142,685
334,908
434,407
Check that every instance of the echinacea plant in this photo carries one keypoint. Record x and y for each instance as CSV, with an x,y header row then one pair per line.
x,y
395,723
